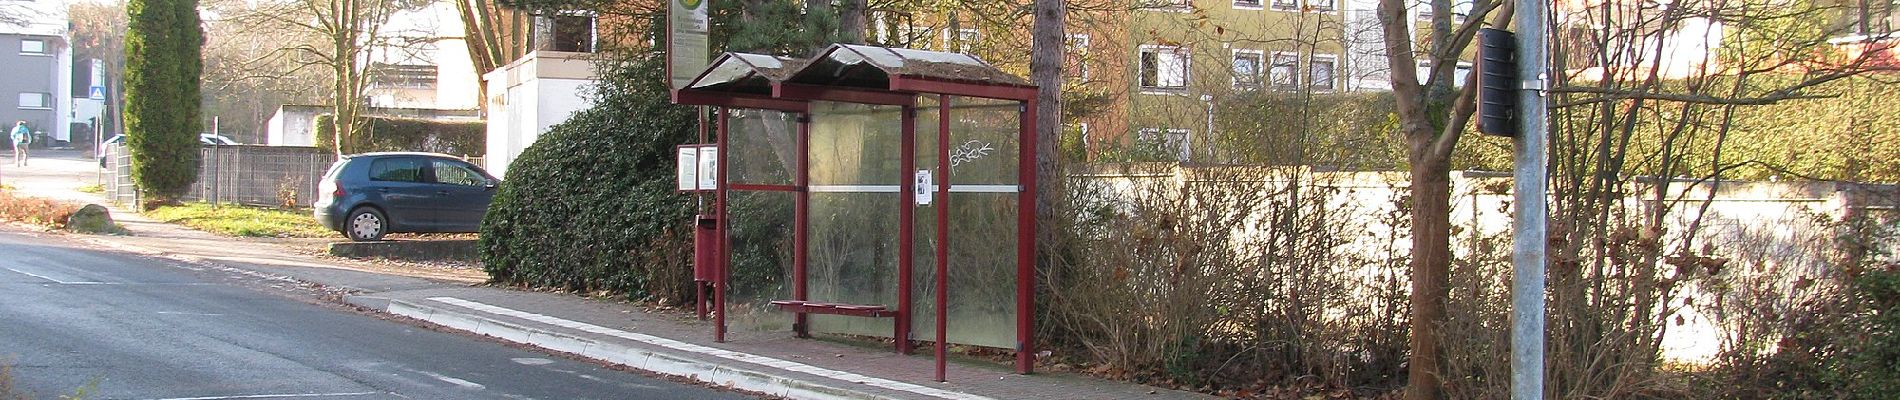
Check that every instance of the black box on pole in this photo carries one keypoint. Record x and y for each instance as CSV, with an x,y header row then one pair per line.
x,y
1497,82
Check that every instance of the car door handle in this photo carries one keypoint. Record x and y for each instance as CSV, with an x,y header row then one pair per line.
x,y
442,192
382,190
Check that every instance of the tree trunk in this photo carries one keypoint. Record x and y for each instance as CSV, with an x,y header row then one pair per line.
x,y
1431,266
1045,69
851,21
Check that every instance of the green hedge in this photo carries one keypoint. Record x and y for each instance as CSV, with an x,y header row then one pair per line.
x,y
409,134
591,206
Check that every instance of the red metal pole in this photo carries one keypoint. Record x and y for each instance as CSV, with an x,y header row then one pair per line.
x,y
801,221
906,226
943,232
725,244
1026,243
699,209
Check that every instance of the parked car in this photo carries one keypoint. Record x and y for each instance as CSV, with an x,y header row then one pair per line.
x,y
368,195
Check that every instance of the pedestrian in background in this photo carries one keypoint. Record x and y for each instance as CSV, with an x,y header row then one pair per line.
x,y
21,138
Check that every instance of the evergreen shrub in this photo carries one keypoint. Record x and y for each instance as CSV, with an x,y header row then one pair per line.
x,y
162,66
591,206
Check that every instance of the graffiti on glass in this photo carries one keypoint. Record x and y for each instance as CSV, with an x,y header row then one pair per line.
x,y
970,151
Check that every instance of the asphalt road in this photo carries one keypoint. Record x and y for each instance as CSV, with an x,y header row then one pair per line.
x,y
130,327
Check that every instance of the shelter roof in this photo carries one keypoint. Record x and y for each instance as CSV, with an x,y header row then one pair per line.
x,y
873,67
745,73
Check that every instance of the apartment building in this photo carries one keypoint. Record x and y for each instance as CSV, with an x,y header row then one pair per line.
x,y
1146,80
40,56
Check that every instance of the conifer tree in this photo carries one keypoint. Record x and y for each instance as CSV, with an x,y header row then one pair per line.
x,y
162,64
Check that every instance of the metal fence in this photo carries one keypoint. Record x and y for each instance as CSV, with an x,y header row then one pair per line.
x,y
253,175
118,179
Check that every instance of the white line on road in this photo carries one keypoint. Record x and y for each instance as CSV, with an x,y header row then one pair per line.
x,y
726,354
270,396
452,380
51,279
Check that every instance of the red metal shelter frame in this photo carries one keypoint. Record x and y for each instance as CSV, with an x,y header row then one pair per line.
x,y
876,76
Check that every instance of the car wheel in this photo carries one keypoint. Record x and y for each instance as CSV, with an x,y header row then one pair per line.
x,y
366,224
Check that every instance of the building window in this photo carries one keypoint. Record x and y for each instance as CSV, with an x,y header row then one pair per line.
x,y
1247,4
396,76
1077,60
1286,5
1164,67
1459,9
1247,69
916,37
566,31
1458,72
967,39
1321,72
1284,74
1170,141
32,47
1320,5
35,100
1165,5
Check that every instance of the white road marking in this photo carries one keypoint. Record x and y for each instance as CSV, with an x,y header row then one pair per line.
x,y
51,278
532,361
726,354
189,313
270,396
452,380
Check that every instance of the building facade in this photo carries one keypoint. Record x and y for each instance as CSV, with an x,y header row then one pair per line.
x,y
40,57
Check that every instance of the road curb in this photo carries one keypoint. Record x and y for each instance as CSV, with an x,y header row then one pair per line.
x,y
637,358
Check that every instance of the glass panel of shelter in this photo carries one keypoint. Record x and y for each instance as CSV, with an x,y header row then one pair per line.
x,y
761,149
855,162
856,170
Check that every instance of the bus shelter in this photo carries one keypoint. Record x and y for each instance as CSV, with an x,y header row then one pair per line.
x,y
909,178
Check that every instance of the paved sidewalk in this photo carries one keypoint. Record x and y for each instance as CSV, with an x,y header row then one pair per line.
x,y
668,343
770,362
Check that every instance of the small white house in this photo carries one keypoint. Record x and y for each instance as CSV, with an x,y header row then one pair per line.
x,y
528,96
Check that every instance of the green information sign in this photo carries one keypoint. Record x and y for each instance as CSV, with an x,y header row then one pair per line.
x,y
687,46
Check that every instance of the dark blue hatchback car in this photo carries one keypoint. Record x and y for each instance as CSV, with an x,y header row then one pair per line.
x,y
368,195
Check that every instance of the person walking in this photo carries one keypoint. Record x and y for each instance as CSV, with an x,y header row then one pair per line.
x,y
22,137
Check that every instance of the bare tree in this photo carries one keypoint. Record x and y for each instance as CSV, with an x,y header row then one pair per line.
x,y
1431,115
347,32
98,32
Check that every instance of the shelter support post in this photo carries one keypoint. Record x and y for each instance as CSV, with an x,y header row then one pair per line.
x,y
699,206
943,232
906,230
1026,241
801,222
722,277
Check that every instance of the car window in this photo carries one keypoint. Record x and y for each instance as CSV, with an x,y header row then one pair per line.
x,y
396,170
455,173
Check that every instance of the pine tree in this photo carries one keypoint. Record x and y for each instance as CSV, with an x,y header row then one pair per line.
x,y
162,64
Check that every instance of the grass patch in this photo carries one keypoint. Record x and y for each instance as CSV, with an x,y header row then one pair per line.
x,y
234,220
93,188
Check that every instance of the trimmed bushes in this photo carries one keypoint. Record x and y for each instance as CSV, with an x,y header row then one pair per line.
x,y
591,206
408,134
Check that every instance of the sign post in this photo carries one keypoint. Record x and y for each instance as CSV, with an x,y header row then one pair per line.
x,y
1530,230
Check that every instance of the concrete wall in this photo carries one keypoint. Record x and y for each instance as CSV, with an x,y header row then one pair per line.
x,y
527,97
